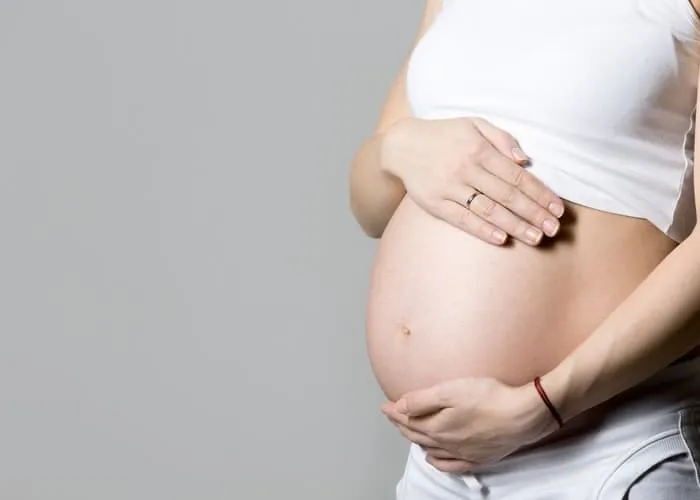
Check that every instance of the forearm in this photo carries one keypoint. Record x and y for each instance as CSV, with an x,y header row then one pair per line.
x,y
648,331
374,193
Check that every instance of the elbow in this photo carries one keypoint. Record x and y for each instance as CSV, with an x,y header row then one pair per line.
x,y
370,226
373,232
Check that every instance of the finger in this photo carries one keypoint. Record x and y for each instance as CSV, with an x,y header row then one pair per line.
x,y
455,214
449,466
424,426
438,453
500,217
514,176
423,401
505,143
510,186
393,415
417,437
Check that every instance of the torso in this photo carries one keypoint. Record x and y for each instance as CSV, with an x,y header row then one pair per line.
x,y
443,304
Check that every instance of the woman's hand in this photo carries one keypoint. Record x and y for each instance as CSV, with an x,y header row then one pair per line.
x,y
442,163
471,421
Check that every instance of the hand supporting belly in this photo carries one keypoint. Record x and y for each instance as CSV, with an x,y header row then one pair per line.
x,y
464,423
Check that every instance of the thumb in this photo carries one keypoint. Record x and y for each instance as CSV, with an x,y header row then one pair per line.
x,y
502,141
422,402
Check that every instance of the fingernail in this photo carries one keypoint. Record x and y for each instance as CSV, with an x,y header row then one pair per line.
x,y
557,209
533,235
550,227
520,155
499,236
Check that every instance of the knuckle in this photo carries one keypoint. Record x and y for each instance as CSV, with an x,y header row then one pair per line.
x,y
488,207
519,176
453,173
476,149
510,195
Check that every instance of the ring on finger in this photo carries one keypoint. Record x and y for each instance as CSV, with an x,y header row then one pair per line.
x,y
471,198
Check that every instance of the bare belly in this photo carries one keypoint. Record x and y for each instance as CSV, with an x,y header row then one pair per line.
x,y
443,304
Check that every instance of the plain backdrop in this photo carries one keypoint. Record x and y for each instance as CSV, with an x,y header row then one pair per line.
x,y
182,285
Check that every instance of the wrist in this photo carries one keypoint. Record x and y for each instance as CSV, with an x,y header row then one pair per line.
x,y
535,417
559,386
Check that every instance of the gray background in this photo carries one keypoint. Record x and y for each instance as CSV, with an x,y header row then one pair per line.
x,y
182,283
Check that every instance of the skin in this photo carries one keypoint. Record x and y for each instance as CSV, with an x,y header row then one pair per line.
x,y
442,162
466,153
650,324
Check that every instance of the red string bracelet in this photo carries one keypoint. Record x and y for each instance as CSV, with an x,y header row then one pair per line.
x,y
543,395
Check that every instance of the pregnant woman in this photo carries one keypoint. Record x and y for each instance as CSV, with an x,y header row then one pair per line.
x,y
533,315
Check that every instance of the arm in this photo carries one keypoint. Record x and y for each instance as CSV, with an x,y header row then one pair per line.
x,y
655,325
455,421
374,193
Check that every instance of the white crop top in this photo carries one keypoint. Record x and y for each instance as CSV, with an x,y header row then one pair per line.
x,y
600,94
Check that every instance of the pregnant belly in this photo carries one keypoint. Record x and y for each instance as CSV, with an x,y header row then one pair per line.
x,y
443,304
